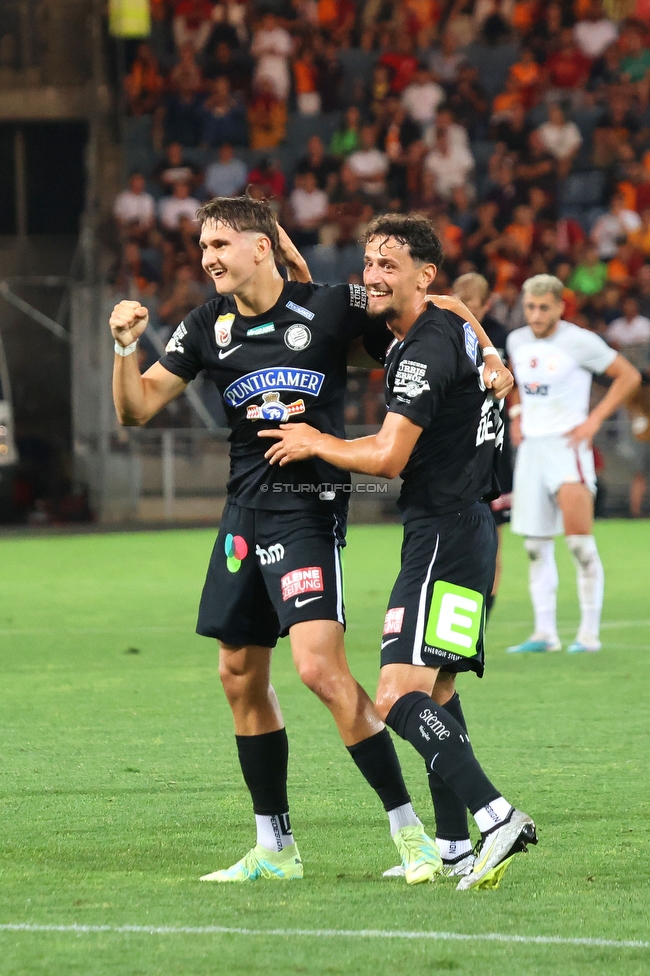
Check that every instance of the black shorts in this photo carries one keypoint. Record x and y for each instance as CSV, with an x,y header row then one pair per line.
x,y
436,612
270,570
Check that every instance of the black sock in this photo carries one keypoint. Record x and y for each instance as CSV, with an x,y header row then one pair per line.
x,y
442,742
489,605
377,761
264,760
451,812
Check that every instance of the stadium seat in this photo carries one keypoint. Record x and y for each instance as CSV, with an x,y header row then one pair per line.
x,y
357,67
493,64
482,151
583,189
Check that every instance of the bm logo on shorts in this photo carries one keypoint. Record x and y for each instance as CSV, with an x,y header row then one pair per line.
x,y
455,617
277,379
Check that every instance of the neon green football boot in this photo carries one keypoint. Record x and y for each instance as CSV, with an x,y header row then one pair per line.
x,y
420,857
284,865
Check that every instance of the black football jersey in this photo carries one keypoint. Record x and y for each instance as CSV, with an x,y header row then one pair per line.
x,y
433,377
288,364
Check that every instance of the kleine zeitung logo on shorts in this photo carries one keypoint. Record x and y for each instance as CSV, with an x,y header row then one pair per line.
x,y
309,579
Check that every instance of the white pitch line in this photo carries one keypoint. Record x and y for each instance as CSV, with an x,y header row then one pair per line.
x,y
325,934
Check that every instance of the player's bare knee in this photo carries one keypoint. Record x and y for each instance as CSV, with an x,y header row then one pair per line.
x,y
316,673
387,695
444,688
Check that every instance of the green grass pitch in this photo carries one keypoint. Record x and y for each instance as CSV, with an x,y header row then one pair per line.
x,y
119,784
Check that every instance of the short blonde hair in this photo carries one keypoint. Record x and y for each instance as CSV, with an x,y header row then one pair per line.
x,y
473,282
542,284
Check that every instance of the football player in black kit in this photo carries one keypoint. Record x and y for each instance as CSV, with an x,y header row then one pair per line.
x,y
440,433
275,350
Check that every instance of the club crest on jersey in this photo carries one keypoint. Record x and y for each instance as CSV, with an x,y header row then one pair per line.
x,y
223,328
272,408
277,378
297,337
471,342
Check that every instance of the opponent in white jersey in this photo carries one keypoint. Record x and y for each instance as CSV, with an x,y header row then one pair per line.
x,y
553,363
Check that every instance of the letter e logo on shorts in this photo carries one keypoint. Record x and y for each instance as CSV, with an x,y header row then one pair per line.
x,y
455,618
299,581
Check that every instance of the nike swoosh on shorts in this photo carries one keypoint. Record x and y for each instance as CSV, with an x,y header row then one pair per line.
x,y
300,603
226,352
386,643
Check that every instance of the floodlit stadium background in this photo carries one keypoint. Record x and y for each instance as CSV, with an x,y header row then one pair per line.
x,y
119,783
522,128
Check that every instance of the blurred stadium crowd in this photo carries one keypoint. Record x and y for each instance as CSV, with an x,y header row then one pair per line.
x,y
521,127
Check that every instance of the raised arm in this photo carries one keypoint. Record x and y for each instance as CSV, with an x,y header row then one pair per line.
x,y
496,376
138,397
292,259
383,454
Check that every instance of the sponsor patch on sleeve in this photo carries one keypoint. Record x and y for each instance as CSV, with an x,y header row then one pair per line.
x,y
393,620
471,342
410,378
175,344
309,579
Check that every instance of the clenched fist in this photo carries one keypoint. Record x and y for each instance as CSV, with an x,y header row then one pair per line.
x,y
128,321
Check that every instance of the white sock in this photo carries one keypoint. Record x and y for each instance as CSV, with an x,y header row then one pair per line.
x,y
542,584
451,849
404,816
274,832
591,583
492,814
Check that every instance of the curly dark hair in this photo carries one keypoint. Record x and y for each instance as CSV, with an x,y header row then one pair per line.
x,y
242,213
413,230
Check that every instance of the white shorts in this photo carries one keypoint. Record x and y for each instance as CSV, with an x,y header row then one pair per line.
x,y
542,466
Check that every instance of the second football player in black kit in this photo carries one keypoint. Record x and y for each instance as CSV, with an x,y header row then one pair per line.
x,y
440,434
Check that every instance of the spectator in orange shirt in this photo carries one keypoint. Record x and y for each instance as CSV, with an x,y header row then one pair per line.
x,y
305,80
623,267
522,229
635,189
338,18
451,237
267,117
527,74
144,83
640,239
524,15
510,98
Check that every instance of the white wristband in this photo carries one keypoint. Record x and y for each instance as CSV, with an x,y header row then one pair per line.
x,y
490,351
125,350
514,411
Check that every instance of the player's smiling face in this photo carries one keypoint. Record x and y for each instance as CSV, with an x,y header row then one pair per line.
x,y
542,313
230,257
391,277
